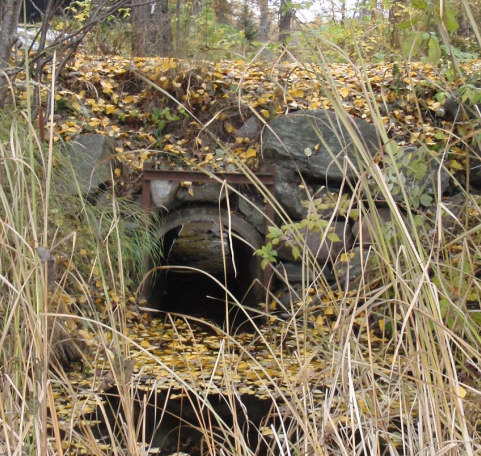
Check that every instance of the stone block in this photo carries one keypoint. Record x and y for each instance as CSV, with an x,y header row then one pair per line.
x,y
90,158
164,193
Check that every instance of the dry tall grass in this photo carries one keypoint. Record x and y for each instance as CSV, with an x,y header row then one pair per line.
x,y
387,369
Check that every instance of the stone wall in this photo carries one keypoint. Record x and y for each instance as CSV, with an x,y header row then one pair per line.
x,y
316,155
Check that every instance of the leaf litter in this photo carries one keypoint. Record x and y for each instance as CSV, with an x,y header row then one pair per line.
x,y
189,112
282,361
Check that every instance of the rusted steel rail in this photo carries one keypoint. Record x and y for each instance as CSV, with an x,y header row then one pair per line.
x,y
267,179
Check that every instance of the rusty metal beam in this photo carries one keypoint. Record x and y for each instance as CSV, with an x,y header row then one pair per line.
x,y
150,174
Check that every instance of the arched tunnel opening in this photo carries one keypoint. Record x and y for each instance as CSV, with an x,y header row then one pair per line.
x,y
206,252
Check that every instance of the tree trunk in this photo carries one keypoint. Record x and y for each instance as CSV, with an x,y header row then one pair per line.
x,y
163,28
151,29
139,15
363,9
222,11
286,15
395,16
196,7
9,13
264,24
177,28
343,10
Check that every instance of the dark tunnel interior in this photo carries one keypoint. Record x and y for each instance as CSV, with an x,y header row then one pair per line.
x,y
196,265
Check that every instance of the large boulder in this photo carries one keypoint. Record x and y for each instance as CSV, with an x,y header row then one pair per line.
x,y
254,212
316,142
366,225
349,269
419,172
458,110
319,244
90,158
250,128
289,192
474,152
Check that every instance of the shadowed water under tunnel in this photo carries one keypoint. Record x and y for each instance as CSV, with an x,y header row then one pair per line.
x,y
201,259
174,420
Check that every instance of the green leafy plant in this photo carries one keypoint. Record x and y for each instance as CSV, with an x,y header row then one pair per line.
x,y
267,253
81,10
408,172
161,117
417,29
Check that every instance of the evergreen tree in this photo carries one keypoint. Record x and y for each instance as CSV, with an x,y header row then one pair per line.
x,y
246,23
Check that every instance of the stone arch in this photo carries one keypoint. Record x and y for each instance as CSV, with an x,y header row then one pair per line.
x,y
191,240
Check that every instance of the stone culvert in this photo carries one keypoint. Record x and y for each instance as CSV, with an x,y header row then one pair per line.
x,y
206,251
